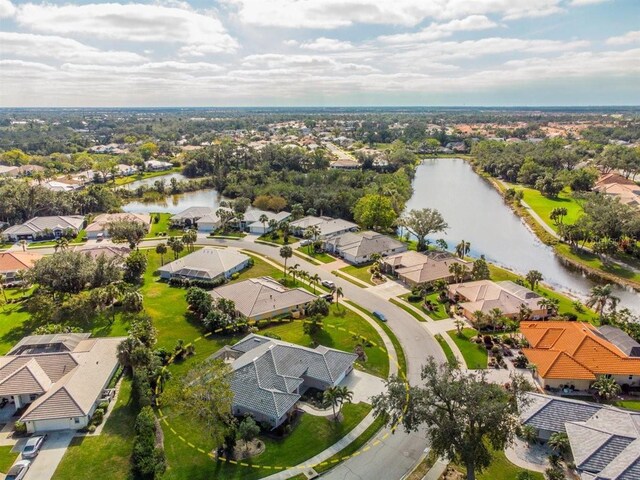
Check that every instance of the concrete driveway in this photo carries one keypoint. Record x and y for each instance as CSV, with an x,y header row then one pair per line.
x,y
45,464
363,385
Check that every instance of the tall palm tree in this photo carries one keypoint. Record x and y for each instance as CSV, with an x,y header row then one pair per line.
x,y
294,272
22,277
263,219
345,395
61,244
3,279
551,305
331,397
338,293
602,296
286,252
463,248
315,280
534,277
161,249
458,271
559,442
23,244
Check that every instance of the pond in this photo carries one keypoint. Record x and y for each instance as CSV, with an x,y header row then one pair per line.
x,y
476,212
149,182
176,203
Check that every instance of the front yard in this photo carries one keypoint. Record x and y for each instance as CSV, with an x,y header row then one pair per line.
x,y
475,355
439,311
361,272
320,257
7,458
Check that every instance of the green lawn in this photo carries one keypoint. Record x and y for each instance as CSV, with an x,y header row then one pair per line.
x,y
501,469
440,311
593,261
566,304
14,322
475,356
163,226
361,272
141,176
320,257
544,205
106,456
630,404
451,358
7,458
279,240
311,436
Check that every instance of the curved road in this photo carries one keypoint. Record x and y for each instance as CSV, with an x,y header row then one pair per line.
x,y
396,455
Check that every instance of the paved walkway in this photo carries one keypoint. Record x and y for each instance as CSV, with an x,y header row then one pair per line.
x,y
53,449
437,470
531,457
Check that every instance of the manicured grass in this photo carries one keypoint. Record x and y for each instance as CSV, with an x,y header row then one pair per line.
x,y
141,176
361,272
410,311
320,257
310,437
544,205
278,240
440,309
630,404
7,458
475,356
593,261
402,361
566,304
105,456
14,322
451,358
501,469
163,226
353,280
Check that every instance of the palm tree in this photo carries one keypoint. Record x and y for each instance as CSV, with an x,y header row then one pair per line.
x,y
559,442
331,397
294,271
600,296
23,281
606,387
534,277
23,244
314,280
551,305
286,252
496,318
263,219
458,271
61,244
161,249
524,312
338,293
345,395
463,248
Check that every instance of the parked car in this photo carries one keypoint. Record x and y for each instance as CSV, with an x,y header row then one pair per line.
x,y
19,470
328,297
379,316
33,446
306,242
328,284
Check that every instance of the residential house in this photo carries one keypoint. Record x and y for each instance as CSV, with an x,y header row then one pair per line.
x,y
9,171
327,226
60,379
574,354
251,220
191,216
157,165
415,268
485,295
269,376
119,252
264,297
212,221
44,228
60,186
99,228
13,262
358,248
206,264
604,440
614,184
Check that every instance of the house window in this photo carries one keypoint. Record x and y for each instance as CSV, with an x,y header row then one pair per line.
x,y
76,420
630,377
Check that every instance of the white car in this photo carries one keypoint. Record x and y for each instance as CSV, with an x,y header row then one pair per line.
x,y
19,470
33,445
328,284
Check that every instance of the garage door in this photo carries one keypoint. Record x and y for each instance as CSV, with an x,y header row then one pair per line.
x,y
49,425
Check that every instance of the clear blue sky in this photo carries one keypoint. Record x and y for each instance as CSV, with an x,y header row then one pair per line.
x,y
319,52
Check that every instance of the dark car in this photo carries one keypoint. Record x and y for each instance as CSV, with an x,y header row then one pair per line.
x,y
379,316
328,297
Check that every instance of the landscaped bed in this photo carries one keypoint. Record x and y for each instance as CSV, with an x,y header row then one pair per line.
x,y
475,355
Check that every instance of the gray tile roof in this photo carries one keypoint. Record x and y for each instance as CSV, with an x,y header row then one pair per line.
x,y
266,377
554,412
364,243
621,340
208,263
193,213
261,296
37,225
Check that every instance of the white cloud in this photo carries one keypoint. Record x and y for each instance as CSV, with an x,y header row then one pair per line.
x,y
439,30
340,13
60,48
579,3
323,44
629,37
199,33
7,9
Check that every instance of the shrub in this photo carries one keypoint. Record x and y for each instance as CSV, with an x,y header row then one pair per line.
x,y
20,427
97,417
141,389
235,276
569,316
414,297
91,428
103,406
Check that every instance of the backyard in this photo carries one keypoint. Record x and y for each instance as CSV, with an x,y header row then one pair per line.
x,y
544,205
475,355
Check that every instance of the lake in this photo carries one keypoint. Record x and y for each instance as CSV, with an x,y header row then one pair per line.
x,y
149,182
176,203
476,212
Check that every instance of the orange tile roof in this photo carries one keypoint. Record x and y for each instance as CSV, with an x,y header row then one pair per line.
x,y
13,261
574,350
